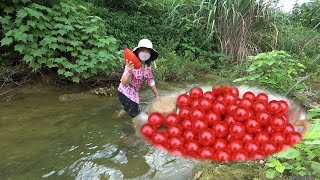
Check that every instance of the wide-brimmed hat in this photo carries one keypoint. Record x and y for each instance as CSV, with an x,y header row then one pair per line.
x,y
146,43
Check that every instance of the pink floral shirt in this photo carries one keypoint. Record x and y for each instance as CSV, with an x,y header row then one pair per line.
x,y
136,79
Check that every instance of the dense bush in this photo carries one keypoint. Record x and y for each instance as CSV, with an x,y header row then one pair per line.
x,y
274,70
174,68
308,14
295,39
64,37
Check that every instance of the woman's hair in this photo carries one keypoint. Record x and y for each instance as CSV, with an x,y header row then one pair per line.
x,y
148,63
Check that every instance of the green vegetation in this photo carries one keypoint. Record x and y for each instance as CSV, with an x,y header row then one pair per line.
x,y
275,70
303,159
248,41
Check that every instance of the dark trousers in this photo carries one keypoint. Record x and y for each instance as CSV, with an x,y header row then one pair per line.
x,y
131,107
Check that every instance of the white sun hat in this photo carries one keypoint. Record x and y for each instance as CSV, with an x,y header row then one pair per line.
x,y
146,43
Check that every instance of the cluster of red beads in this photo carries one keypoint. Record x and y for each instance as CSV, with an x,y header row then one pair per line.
x,y
221,126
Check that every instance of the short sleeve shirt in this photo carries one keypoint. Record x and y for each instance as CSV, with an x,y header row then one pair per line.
x,y
137,78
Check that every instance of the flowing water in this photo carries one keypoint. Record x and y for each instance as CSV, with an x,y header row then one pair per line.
x,y
85,138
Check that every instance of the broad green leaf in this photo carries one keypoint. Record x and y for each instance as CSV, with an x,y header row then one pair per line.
x,y
9,9
270,62
75,43
24,28
313,112
41,26
5,19
60,39
61,71
22,13
251,68
271,173
315,141
86,75
6,41
100,44
76,79
288,154
34,13
42,60
38,6
64,5
280,168
23,37
240,79
47,40
37,52
27,58
315,166
9,33
69,27
49,64
31,23
59,60
35,65
302,173
19,47
68,74
62,32
91,29
69,49
30,38
54,46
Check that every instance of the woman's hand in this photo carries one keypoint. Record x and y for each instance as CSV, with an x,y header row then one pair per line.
x,y
129,66
126,77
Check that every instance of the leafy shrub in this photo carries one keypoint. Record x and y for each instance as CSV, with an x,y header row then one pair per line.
x,y
312,64
308,14
63,37
297,39
174,68
303,159
276,70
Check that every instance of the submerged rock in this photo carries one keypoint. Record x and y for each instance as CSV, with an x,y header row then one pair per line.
x,y
107,91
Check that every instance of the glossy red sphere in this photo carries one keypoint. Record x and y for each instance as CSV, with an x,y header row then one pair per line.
x,y
264,117
175,130
184,112
293,138
206,137
197,113
205,104
220,128
198,125
183,100
237,130
192,146
196,92
262,137
156,119
262,97
148,130
172,119
220,144
278,123
250,95
189,135
252,125
274,107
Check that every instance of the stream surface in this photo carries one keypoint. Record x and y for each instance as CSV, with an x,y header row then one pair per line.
x,y
84,138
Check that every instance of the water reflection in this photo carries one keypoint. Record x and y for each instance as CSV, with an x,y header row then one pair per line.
x,y
81,139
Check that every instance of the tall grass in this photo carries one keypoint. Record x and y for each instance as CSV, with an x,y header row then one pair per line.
x,y
229,23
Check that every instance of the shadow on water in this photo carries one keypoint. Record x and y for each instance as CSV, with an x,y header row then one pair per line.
x,y
84,138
